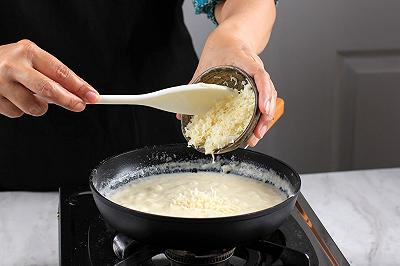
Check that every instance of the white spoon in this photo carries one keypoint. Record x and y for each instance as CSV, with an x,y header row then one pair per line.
x,y
189,99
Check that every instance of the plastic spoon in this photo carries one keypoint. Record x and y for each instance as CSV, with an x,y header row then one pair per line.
x,y
186,99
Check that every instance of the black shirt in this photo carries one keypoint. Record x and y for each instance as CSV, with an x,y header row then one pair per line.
x,y
119,47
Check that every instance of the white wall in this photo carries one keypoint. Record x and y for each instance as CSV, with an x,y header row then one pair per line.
x,y
199,27
337,65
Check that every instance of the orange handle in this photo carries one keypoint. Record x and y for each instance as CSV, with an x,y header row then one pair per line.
x,y
280,108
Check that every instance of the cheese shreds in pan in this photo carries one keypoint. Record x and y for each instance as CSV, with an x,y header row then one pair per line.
x,y
223,123
206,200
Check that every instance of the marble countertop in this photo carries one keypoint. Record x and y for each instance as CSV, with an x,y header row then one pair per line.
x,y
360,209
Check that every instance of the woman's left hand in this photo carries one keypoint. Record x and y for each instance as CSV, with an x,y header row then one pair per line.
x,y
225,49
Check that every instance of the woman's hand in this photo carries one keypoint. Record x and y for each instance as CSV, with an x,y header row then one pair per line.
x,y
31,77
223,48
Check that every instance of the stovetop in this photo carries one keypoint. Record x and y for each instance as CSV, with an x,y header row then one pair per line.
x,y
85,239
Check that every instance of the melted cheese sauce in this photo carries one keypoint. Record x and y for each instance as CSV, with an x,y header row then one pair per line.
x,y
198,195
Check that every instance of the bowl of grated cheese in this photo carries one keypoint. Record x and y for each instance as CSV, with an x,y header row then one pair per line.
x,y
230,123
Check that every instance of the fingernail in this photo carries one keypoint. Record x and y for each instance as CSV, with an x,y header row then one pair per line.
x,y
263,130
267,105
91,97
79,106
253,140
35,110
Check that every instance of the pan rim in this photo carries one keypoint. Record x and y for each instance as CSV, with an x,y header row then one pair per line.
x,y
223,219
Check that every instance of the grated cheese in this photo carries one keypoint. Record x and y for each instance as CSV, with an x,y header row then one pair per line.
x,y
205,200
223,123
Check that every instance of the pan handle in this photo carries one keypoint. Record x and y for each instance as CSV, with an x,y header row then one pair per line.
x,y
280,108
310,225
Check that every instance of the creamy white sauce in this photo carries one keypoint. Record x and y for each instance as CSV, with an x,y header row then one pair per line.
x,y
197,195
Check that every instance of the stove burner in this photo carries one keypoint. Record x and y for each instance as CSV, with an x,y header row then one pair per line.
x,y
215,258
263,252
86,239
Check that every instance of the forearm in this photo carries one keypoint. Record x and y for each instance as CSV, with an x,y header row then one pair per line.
x,y
250,21
243,32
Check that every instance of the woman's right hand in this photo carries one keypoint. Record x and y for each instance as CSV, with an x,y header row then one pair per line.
x,y
30,78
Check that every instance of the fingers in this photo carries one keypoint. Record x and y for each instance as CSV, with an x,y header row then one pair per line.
x,y
47,88
255,67
264,88
24,100
179,116
57,71
31,77
272,109
8,109
265,119
253,140
262,126
267,103
260,130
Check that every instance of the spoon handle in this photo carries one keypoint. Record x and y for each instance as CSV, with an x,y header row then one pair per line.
x,y
120,99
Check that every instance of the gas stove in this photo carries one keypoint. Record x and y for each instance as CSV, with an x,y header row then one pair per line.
x,y
86,239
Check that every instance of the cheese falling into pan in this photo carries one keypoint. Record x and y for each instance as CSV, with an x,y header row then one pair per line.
x,y
198,195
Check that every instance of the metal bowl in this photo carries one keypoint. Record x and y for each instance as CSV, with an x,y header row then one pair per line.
x,y
232,77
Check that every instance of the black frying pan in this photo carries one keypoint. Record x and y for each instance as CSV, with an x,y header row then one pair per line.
x,y
186,233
